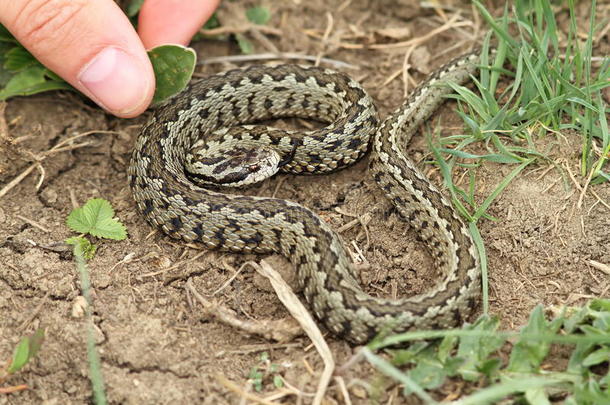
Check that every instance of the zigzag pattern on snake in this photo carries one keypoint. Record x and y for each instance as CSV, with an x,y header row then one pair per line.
x,y
213,108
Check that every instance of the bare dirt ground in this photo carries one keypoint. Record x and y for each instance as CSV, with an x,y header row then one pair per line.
x,y
156,342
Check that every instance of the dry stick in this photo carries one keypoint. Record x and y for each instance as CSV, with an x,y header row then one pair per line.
x,y
10,390
439,10
405,70
241,392
355,359
172,267
274,56
605,204
9,186
412,44
600,266
584,189
240,30
343,5
391,77
33,223
230,280
260,37
262,347
448,25
300,393
300,313
343,389
269,329
572,177
41,156
288,389
330,22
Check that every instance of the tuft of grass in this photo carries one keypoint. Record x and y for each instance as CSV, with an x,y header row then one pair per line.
x,y
262,370
553,92
473,354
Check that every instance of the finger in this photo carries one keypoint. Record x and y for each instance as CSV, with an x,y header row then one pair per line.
x,y
173,21
89,43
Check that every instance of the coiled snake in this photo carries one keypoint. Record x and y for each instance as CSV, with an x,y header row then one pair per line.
x,y
197,128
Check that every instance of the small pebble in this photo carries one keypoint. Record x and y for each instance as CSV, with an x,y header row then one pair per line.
x,y
78,307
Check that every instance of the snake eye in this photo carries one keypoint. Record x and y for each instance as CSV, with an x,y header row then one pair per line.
x,y
253,168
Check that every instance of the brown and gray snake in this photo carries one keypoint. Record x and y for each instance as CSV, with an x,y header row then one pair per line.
x,y
208,114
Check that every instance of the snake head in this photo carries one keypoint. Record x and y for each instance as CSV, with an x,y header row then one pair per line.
x,y
234,167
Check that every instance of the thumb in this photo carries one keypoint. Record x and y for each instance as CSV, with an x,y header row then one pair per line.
x,y
90,44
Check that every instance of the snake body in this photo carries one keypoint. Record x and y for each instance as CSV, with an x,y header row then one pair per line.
x,y
210,110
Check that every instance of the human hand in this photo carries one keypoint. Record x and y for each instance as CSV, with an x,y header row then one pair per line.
x,y
92,45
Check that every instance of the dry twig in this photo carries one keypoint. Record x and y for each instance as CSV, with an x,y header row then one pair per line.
x,y
282,331
300,313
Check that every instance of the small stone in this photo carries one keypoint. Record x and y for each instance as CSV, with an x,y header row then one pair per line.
x,y
48,196
164,262
79,306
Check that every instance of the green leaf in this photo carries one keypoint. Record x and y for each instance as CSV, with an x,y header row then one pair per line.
x,y
20,355
27,348
476,349
244,44
18,58
597,357
6,36
537,396
410,354
5,75
490,366
600,305
528,354
23,81
258,15
23,75
95,218
133,7
277,381
212,23
428,373
31,81
173,66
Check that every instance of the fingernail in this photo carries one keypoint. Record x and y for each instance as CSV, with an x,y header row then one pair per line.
x,y
117,80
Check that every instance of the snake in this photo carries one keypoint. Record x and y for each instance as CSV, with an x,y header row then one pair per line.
x,y
210,135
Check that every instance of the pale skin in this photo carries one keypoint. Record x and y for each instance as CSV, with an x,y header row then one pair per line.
x,y
92,45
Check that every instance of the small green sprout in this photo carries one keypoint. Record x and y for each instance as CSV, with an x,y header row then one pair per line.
x,y
264,369
26,349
